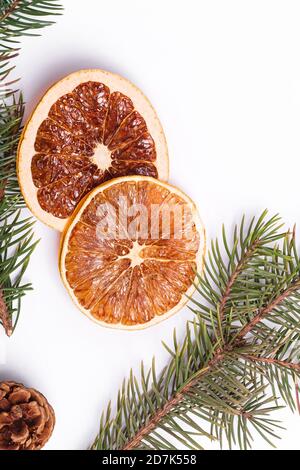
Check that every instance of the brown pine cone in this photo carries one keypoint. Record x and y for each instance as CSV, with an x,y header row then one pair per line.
x,y
26,418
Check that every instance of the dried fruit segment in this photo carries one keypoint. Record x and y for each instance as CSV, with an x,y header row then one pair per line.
x,y
62,196
84,132
52,138
141,149
90,291
120,107
93,99
51,167
130,129
110,308
123,277
130,167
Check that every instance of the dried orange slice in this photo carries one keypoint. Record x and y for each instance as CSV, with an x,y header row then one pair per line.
x,y
88,128
129,255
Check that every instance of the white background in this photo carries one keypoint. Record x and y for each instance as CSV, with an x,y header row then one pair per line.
x,y
225,80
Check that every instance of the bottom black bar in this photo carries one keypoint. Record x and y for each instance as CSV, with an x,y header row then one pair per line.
x,y
133,459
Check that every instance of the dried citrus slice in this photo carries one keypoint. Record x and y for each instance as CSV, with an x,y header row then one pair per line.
x,y
130,253
88,128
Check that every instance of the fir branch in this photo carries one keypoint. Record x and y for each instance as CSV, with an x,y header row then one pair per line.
x,y
5,318
164,411
236,272
17,18
240,353
266,310
8,8
16,247
276,362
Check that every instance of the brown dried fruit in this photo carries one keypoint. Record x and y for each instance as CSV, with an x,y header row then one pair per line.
x,y
90,127
26,418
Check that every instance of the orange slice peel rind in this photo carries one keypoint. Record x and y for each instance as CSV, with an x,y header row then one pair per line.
x,y
89,127
131,281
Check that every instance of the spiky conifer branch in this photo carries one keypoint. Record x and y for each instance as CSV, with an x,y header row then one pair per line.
x,y
239,354
17,18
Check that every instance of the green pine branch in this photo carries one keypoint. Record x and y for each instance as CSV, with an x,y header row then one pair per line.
x,y
239,361
17,18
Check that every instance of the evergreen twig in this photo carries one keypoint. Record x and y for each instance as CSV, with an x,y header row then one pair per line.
x,y
241,353
17,18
